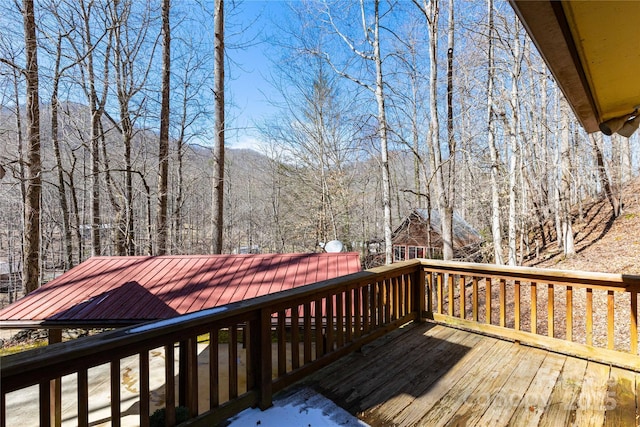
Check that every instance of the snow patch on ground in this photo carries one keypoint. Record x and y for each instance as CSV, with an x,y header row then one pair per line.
x,y
303,408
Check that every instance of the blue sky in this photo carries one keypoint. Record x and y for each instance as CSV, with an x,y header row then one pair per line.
x,y
248,69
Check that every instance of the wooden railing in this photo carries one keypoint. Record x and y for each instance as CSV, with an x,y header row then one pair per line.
x,y
260,346
305,328
589,315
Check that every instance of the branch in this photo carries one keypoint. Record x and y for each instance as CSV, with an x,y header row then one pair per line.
x,y
345,75
13,65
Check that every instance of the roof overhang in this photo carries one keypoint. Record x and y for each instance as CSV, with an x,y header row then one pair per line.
x,y
592,49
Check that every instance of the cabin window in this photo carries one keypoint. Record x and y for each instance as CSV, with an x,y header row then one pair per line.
x,y
416,252
399,253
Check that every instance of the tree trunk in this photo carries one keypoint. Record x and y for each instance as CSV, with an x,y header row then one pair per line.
x,y
218,151
431,13
446,212
514,125
62,195
163,147
31,264
565,200
605,184
496,228
382,133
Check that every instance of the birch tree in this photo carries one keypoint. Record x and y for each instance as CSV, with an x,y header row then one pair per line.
x,y
371,36
496,228
514,126
431,12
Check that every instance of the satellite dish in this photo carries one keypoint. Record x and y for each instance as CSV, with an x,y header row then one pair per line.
x,y
333,246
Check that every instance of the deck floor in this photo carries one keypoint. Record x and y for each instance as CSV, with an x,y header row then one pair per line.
x,y
432,375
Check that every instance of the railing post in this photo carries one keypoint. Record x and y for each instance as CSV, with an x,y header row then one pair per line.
x,y
421,294
45,401
264,350
169,387
191,375
55,336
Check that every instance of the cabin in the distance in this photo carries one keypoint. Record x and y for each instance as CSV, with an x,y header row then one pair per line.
x,y
420,236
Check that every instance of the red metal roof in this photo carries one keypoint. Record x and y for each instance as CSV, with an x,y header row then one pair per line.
x,y
116,290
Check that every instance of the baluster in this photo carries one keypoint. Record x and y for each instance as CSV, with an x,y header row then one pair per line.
x,y
329,301
463,297
295,337
569,316
503,302
610,319
378,304
451,294
307,332
233,362
170,384
550,310
633,327
282,344
319,325
534,308
83,398
474,302
358,314
214,378
388,301
266,376
45,403
3,409
516,305
439,291
115,392
340,320
395,297
589,323
192,376
487,286
145,390
348,305
366,309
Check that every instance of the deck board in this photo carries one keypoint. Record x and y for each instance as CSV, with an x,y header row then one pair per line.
x,y
534,401
433,375
621,395
442,412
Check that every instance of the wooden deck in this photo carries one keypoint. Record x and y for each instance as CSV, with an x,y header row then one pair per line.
x,y
432,375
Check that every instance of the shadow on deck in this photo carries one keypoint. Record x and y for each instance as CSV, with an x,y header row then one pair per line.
x,y
433,375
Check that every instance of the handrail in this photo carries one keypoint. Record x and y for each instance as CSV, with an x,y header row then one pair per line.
x,y
283,337
326,320
553,309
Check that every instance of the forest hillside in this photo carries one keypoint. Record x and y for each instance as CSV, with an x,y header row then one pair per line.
x,y
603,243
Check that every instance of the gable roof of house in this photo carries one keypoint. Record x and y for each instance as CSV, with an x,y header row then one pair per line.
x,y
463,233
114,291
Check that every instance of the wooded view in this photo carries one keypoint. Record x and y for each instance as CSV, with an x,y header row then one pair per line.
x,y
114,116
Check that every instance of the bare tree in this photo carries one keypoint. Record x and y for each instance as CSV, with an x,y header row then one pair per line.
x,y
496,228
513,127
372,39
88,47
566,179
163,142
431,12
603,178
55,137
31,265
218,150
